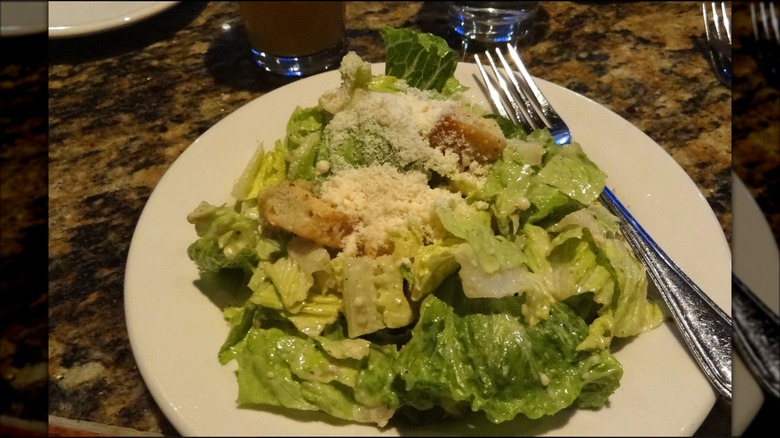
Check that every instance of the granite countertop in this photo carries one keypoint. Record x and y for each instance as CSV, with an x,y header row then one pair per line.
x,y
124,104
756,122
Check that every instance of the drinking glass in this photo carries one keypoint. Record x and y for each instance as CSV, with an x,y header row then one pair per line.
x,y
296,38
492,22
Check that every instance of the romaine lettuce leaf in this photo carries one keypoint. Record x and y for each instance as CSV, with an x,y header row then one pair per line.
x,y
626,310
587,254
481,353
292,282
424,60
265,169
431,265
373,295
226,239
315,261
535,180
474,227
304,142
282,368
311,310
574,174
492,266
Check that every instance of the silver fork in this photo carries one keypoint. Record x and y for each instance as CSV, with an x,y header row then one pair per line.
x,y
705,328
766,32
718,35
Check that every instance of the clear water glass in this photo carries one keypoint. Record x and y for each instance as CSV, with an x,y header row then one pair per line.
x,y
492,22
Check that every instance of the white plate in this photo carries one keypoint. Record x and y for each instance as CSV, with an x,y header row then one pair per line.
x,y
176,330
70,19
22,18
757,263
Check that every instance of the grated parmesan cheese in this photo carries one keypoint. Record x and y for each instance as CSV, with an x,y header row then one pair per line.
x,y
381,199
402,119
384,200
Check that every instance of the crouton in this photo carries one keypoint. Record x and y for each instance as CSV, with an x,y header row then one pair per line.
x,y
471,136
293,207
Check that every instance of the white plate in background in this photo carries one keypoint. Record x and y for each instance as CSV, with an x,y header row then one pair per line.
x,y
70,19
22,18
176,330
757,264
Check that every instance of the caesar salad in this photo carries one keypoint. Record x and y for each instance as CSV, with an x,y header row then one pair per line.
x,y
412,256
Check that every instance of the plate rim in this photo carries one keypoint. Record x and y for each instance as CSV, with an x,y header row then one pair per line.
x,y
36,9
109,23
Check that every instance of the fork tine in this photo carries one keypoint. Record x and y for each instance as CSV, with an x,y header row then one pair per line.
x,y
766,47
518,112
706,21
764,22
554,123
726,22
716,21
773,20
759,26
531,111
494,96
753,20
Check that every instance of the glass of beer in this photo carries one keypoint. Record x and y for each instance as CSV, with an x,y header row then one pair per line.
x,y
296,38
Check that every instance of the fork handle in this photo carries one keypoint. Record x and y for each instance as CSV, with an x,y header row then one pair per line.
x,y
705,328
757,336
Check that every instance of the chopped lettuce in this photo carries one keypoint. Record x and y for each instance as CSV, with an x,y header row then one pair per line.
x,y
474,227
304,142
431,265
425,61
282,286
282,368
373,295
479,352
574,174
226,239
355,75
265,169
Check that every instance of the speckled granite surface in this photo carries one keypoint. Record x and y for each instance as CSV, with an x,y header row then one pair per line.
x,y
756,122
125,104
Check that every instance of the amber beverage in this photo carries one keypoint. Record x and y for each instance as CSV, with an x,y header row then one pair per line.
x,y
296,38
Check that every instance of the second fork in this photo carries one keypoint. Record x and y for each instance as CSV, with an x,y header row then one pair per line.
x,y
717,30
766,34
